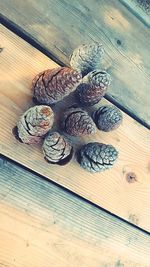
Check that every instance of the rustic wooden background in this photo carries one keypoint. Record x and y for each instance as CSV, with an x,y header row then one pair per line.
x,y
76,220
20,62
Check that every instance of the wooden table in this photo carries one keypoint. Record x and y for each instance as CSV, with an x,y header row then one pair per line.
x,y
62,216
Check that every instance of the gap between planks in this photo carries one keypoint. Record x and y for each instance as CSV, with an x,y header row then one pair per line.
x,y
110,190
25,168
139,8
43,225
21,33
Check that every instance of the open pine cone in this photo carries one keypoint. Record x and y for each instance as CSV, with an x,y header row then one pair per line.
x,y
51,86
107,118
56,149
34,124
97,157
77,122
93,87
87,57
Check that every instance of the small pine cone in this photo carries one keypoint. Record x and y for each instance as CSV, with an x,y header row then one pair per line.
x,y
97,157
34,124
93,87
86,58
56,149
107,118
51,86
77,122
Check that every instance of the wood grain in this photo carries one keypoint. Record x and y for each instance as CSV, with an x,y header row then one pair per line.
x,y
113,189
43,225
60,26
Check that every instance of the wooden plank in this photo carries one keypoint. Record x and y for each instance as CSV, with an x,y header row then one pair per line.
x,y
111,189
60,26
140,8
43,225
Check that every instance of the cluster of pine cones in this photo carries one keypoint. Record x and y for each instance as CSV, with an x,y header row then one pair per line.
x,y
89,84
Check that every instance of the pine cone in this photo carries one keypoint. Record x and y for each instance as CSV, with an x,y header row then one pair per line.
x,y
56,149
77,122
51,86
97,157
93,87
34,123
86,58
107,118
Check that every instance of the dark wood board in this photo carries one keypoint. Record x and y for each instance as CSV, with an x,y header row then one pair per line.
x,y
140,8
43,225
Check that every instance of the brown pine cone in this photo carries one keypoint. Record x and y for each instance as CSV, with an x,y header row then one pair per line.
x,y
107,118
97,157
56,149
51,86
87,57
34,123
77,122
93,87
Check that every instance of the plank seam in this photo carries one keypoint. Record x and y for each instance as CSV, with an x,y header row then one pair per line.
x,y
4,158
134,13
29,39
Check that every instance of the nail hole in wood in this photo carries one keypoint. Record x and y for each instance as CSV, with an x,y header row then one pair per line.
x,y
119,42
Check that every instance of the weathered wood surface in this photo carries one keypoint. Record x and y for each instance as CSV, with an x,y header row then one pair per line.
x,y
60,26
127,198
43,225
140,8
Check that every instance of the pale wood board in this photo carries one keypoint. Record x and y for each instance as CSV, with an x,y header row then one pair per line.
x,y
62,25
43,225
110,189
